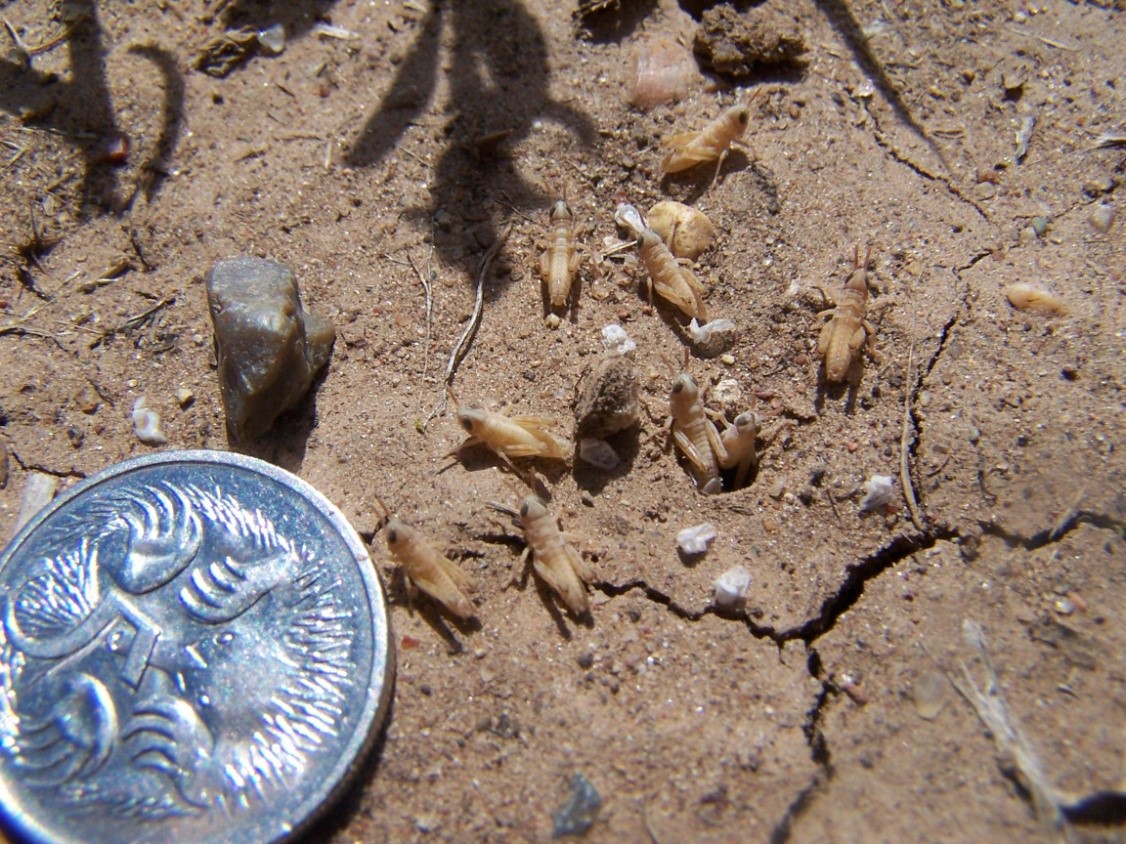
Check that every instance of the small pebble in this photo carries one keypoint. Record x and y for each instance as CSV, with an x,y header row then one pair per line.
x,y
929,692
552,321
599,453
146,423
272,39
270,347
778,488
731,587
38,490
184,397
879,491
695,540
578,814
1102,218
1040,225
727,360
1027,297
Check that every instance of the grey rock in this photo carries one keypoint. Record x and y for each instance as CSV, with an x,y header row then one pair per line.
x,y
269,347
578,814
607,400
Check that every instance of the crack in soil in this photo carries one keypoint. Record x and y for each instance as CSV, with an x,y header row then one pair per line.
x,y
45,470
880,137
655,595
819,752
1057,532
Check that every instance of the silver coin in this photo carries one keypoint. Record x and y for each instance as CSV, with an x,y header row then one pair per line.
x,y
194,646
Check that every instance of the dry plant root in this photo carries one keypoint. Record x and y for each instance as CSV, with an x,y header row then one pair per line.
x,y
425,569
560,261
847,329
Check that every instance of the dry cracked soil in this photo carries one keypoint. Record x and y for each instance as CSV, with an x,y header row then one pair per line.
x,y
969,145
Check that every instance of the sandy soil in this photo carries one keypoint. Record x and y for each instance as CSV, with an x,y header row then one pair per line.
x,y
801,718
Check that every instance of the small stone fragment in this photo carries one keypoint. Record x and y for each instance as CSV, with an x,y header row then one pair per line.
x,y
552,321
736,42
615,339
270,348
578,814
695,540
879,492
1102,217
1040,225
146,423
778,488
184,397
608,399
1025,297
272,39
38,490
599,453
712,338
929,692
731,588
687,232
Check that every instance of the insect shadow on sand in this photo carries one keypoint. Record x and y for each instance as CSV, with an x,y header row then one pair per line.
x,y
80,110
498,92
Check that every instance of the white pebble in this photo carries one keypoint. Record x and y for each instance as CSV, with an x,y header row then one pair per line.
x,y
38,490
614,338
696,539
184,397
713,337
146,423
599,453
879,491
731,587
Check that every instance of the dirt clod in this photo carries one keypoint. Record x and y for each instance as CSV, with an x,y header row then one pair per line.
x,y
608,398
736,43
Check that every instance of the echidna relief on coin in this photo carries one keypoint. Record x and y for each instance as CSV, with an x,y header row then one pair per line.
x,y
190,649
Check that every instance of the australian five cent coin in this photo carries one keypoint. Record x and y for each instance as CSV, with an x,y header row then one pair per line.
x,y
194,647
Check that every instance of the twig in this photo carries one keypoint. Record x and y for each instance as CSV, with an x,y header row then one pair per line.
x,y
134,321
21,48
461,348
1051,42
425,280
904,472
993,712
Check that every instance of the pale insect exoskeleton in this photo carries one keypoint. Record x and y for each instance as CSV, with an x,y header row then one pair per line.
x,y
688,149
424,568
554,561
560,260
847,329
